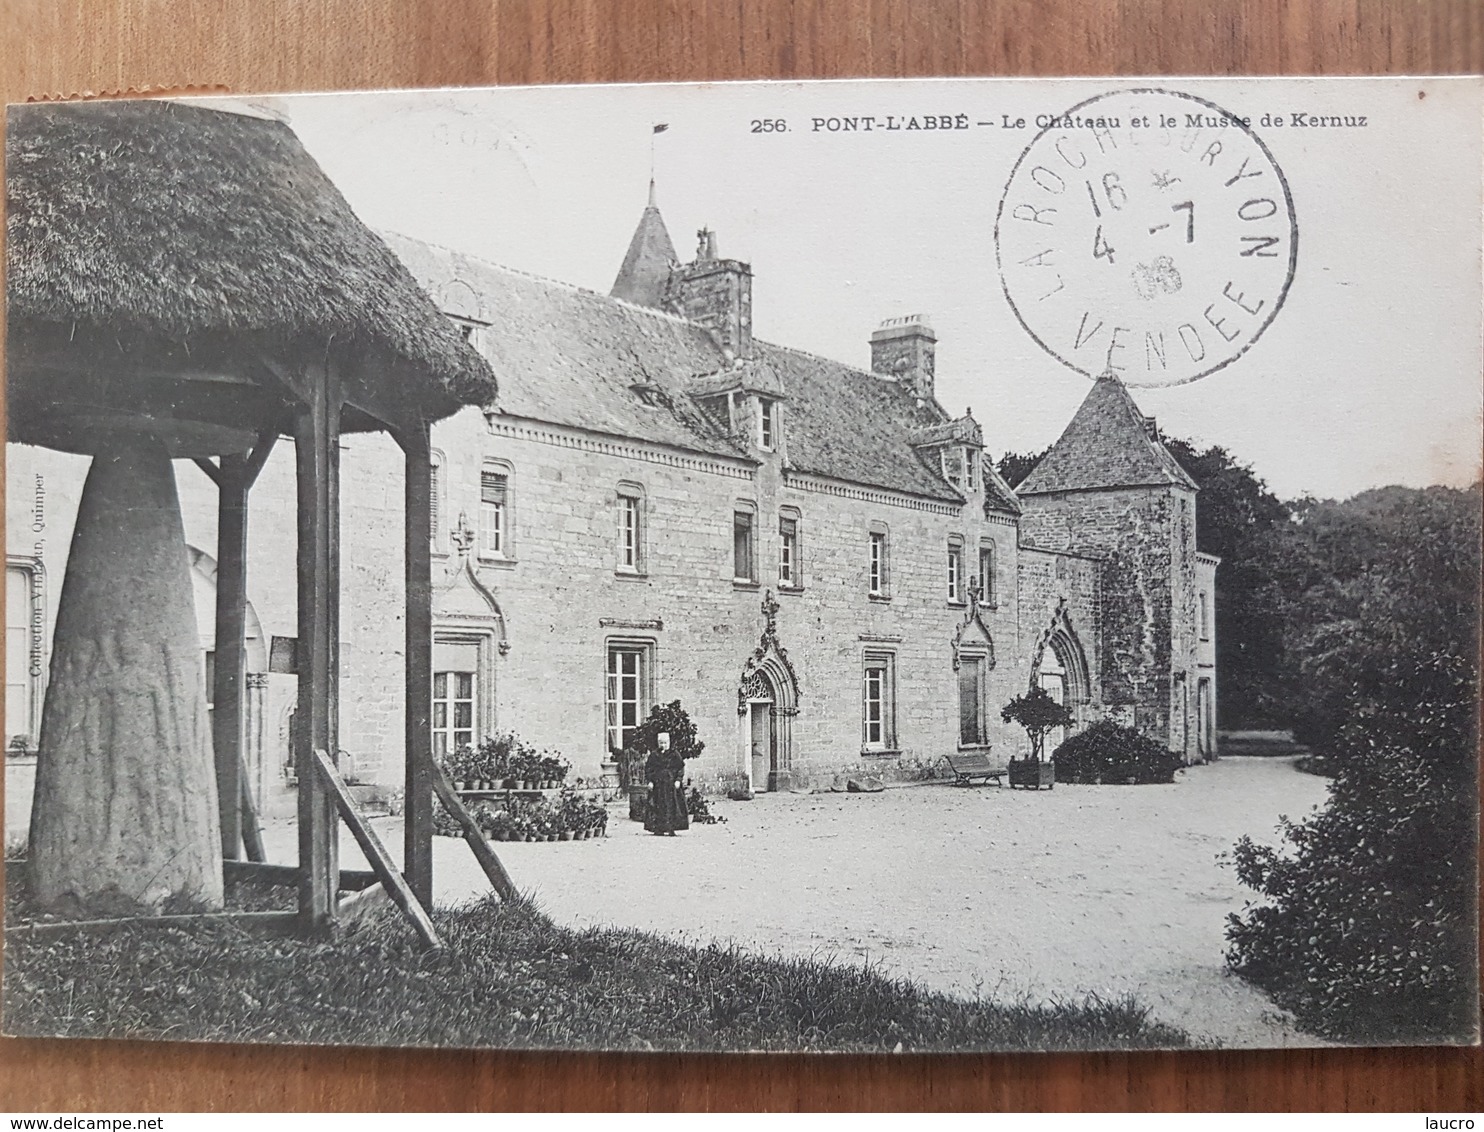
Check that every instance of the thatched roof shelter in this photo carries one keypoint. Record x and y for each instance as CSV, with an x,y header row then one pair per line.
x,y
158,236
185,281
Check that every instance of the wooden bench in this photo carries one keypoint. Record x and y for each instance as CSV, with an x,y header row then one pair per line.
x,y
968,766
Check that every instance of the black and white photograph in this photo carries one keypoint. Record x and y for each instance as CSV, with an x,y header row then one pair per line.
x,y
874,566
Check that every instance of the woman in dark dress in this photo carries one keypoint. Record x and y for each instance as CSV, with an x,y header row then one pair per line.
x,y
665,770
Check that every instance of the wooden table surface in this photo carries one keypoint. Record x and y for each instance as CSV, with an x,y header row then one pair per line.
x,y
65,47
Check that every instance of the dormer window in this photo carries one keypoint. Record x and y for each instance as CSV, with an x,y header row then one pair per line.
x,y
649,394
767,423
955,467
466,326
971,460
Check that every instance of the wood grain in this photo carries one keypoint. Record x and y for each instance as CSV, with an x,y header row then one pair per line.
x,y
52,47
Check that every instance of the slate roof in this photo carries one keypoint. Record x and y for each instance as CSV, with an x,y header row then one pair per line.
x,y
646,267
851,425
998,495
1107,444
570,356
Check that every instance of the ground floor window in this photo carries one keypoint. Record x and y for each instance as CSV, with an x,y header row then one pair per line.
x,y
630,670
453,711
878,703
462,689
1205,724
971,715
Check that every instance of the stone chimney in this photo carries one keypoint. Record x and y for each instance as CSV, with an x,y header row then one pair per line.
x,y
717,294
904,348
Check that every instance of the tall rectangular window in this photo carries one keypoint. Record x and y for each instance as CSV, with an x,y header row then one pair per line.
x,y
744,567
630,531
767,423
970,701
878,566
955,571
494,512
788,551
986,573
453,711
1205,617
627,695
970,460
878,703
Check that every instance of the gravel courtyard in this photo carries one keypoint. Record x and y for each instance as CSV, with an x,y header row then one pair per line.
x,y
1051,894
1105,889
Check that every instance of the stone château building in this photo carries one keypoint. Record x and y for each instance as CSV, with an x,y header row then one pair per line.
x,y
818,561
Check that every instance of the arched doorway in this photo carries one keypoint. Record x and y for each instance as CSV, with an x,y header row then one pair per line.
x,y
1051,675
767,701
761,737
1060,667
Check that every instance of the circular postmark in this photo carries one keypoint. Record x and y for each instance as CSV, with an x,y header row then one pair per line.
x,y
1146,232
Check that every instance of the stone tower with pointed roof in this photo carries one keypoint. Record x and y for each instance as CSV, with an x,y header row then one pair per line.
x,y
1109,488
645,274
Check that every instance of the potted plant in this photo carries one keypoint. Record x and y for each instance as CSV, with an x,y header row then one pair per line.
x,y
455,767
502,826
1039,714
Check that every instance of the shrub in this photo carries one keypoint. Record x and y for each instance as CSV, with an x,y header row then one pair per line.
x,y
671,719
1368,929
1108,752
1038,713
1368,933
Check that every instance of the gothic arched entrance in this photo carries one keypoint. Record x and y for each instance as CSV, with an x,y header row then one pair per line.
x,y
767,701
1059,665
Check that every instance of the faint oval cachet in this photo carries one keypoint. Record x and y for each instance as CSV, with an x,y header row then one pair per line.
x,y
1146,232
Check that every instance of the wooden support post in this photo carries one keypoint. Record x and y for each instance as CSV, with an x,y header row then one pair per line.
x,y
252,828
488,861
228,685
316,445
381,864
418,817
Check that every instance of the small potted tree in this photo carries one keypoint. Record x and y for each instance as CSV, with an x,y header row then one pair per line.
x,y
1038,713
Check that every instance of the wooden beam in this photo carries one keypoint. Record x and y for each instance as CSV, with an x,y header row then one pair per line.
x,y
418,563
267,438
391,880
316,442
488,861
208,467
228,686
287,876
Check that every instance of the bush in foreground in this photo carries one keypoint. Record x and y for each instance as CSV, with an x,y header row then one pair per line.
x,y
1368,933
1108,752
509,977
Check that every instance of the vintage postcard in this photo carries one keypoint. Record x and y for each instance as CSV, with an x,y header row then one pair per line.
x,y
867,565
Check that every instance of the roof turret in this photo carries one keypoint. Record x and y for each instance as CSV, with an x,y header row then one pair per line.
x,y
646,268
1109,443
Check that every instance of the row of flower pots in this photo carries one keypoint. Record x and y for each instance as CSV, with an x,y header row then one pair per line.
x,y
564,835
506,784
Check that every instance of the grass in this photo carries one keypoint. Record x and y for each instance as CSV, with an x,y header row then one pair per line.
x,y
509,977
